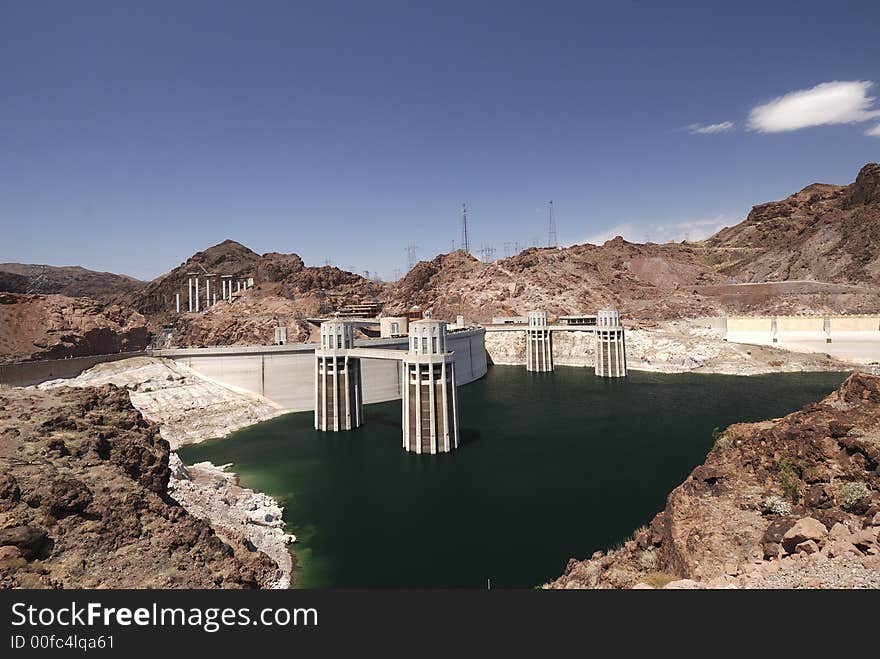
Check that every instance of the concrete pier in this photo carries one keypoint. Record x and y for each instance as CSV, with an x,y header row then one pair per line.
x,y
539,351
430,407
338,390
610,345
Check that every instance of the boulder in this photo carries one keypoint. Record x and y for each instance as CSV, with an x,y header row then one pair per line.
x,y
804,529
29,540
840,532
836,548
818,496
9,553
68,496
807,547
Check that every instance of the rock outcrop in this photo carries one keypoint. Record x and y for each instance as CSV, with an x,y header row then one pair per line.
x,y
792,502
55,326
84,503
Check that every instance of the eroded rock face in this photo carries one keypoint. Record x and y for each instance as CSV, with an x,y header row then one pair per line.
x,y
96,514
798,492
55,327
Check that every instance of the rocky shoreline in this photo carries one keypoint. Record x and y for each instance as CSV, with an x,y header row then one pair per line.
x,y
84,502
786,503
190,409
237,514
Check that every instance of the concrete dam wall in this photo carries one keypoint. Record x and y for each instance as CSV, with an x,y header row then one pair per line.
x,y
285,375
854,338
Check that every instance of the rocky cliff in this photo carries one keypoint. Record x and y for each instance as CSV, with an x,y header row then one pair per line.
x,y
55,326
791,502
84,504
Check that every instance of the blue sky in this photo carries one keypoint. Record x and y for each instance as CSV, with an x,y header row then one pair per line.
x,y
132,135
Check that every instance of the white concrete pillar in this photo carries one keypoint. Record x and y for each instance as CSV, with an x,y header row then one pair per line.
x,y
207,293
215,299
190,285
197,294
177,302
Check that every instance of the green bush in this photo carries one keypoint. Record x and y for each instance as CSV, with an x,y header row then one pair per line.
x,y
790,473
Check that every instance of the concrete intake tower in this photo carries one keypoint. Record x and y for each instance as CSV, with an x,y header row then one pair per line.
x,y
338,391
610,345
430,408
539,352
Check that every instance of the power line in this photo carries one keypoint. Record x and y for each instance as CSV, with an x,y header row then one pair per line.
x,y
551,232
487,253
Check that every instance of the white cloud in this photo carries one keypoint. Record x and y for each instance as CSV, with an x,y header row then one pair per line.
x,y
661,233
710,129
874,132
835,102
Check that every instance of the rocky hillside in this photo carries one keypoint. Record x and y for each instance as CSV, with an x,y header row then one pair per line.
x,y
790,503
71,281
822,233
820,240
55,326
657,279
275,275
83,503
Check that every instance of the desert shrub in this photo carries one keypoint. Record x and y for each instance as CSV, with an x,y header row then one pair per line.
x,y
790,473
775,362
658,579
850,493
722,439
648,560
638,531
777,506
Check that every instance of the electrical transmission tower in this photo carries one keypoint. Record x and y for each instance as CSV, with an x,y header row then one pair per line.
x,y
465,240
507,250
551,231
487,253
396,274
411,256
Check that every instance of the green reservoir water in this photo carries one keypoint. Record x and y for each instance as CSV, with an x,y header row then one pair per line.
x,y
553,465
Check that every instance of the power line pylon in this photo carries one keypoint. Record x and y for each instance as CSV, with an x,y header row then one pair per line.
x,y
411,256
551,232
465,240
